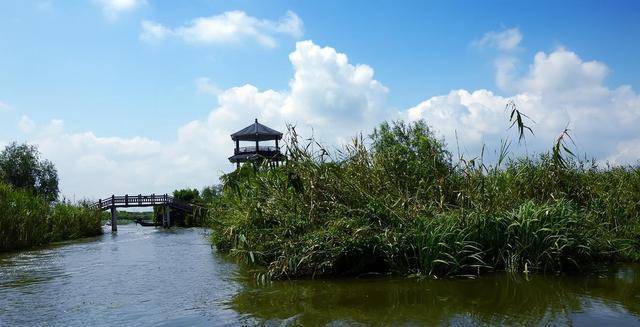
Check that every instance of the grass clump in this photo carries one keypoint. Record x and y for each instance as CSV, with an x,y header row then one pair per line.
x,y
400,204
28,220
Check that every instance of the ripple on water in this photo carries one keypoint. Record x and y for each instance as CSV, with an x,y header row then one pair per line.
x,y
147,276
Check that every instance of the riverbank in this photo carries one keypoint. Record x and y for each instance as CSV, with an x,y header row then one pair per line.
x,y
27,220
401,205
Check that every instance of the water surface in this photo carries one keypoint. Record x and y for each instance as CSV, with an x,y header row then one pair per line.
x,y
145,276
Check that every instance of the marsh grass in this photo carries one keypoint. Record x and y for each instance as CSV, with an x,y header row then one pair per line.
x,y
27,220
401,205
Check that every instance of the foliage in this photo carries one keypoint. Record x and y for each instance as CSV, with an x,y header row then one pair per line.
x,y
28,220
21,166
210,193
200,201
401,205
187,195
127,217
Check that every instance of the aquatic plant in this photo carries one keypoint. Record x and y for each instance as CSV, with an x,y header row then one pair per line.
x,y
402,205
28,220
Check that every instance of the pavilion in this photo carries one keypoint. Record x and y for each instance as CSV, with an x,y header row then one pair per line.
x,y
256,133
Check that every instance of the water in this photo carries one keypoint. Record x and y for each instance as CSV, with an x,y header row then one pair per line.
x,y
146,276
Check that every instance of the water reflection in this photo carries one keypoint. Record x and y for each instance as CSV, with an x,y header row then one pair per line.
x,y
500,299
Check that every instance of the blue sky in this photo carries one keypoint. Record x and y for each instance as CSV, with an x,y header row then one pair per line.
x,y
73,68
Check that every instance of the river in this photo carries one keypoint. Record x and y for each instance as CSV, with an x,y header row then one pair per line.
x,y
145,276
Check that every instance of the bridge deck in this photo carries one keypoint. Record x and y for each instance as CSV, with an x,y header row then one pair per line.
x,y
126,201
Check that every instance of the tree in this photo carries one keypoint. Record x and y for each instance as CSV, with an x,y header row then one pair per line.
x,y
21,166
187,195
209,193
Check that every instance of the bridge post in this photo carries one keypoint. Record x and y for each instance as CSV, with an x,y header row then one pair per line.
x,y
114,219
166,216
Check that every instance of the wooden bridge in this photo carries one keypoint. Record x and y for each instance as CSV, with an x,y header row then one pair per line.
x,y
126,201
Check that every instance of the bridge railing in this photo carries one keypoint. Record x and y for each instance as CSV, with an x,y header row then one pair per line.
x,y
136,200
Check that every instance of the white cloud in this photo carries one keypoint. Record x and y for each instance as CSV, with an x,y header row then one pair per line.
x,y
505,40
626,152
563,73
89,165
332,95
153,32
113,8
230,27
326,92
559,88
4,107
338,99
26,125
205,86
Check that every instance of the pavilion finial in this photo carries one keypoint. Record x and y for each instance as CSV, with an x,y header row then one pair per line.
x,y
256,120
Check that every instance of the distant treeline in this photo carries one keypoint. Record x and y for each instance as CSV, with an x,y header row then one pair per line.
x,y
126,217
200,201
30,212
399,203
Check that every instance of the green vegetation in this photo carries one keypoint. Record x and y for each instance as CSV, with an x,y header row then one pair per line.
x,y
21,166
400,204
127,217
187,195
28,220
29,212
200,202
207,196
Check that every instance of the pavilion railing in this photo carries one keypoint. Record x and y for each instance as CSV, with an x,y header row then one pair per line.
x,y
261,148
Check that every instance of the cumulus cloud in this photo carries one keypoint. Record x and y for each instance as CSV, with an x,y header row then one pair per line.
x,y
331,94
230,27
113,8
153,32
507,39
88,165
559,89
204,85
625,152
335,99
327,92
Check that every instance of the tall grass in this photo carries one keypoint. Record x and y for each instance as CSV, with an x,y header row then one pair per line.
x,y
28,220
401,205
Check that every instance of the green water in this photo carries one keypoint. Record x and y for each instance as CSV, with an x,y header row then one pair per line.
x,y
144,276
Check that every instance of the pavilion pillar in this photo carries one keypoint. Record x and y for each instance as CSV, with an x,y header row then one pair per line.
x,y
114,219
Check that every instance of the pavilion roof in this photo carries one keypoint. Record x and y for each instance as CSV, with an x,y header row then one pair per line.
x,y
256,132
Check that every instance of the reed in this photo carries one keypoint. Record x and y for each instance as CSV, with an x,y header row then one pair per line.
x,y
28,220
401,204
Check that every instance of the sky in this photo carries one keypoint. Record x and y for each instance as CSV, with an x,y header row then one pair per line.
x,y
140,96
